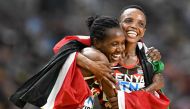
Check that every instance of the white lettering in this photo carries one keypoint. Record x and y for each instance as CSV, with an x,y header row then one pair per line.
x,y
142,79
128,78
137,78
119,76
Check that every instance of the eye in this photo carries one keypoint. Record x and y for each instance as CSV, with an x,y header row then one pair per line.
x,y
114,44
128,20
142,24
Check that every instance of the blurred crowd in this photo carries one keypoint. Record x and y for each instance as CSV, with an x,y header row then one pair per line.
x,y
30,28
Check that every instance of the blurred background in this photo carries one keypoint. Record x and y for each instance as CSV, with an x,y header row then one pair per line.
x,y
30,28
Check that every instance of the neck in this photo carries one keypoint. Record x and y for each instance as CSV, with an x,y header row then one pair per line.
x,y
130,49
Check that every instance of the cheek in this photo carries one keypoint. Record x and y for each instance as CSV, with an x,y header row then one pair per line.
x,y
142,32
123,26
111,50
123,47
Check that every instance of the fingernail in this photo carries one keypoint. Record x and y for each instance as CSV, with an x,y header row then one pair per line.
x,y
113,86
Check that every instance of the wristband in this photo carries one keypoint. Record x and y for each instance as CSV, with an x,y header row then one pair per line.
x,y
158,66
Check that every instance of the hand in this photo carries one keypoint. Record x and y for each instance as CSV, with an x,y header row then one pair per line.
x,y
154,54
102,71
157,84
114,102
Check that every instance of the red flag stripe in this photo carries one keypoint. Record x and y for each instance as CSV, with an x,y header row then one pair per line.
x,y
59,81
74,90
142,100
83,39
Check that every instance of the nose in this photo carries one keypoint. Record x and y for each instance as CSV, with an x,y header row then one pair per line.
x,y
134,25
120,49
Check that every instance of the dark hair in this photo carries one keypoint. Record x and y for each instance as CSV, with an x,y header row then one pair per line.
x,y
99,24
133,6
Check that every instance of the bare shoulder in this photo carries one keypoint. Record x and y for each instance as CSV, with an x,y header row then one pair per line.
x,y
94,54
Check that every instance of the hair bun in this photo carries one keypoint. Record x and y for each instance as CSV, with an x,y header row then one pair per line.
x,y
90,21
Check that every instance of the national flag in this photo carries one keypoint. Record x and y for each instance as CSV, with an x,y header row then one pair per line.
x,y
38,89
70,89
142,100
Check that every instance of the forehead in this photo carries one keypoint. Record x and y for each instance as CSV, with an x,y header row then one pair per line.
x,y
133,12
114,32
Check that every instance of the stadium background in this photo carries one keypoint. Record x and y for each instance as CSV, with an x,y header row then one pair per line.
x,y
30,28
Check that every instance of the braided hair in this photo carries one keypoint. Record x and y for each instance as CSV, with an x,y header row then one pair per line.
x,y
99,24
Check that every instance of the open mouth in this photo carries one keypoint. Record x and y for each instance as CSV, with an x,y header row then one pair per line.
x,y
116,57
132,34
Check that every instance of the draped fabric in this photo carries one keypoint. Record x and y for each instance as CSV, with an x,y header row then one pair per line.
x,y
142,100
37,89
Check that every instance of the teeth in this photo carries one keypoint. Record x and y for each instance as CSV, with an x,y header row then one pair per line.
x,y
116,57
132,33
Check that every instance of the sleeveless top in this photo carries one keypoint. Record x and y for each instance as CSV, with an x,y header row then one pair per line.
x,y
129,78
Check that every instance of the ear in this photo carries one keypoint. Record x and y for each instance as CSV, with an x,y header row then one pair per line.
x,y
96,44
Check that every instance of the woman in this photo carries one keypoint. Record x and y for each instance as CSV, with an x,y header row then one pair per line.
x,y
133,22
108,44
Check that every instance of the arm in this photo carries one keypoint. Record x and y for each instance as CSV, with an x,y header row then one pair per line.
x,y
158,79
108,89
88,61
157,84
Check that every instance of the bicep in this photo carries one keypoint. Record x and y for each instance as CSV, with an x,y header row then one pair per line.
x,y
87,58
94,55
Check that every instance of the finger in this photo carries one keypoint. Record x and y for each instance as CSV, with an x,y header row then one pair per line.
x,y
115,104
115,107
107,69
110,77
113,99
150,50
108,65
155,55
154,52
158,56
109,83
142,89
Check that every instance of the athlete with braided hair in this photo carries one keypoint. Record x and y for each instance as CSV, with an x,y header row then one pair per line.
x,y
108,44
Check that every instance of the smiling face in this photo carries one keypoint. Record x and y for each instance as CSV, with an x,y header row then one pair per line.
x,y
113,44
133,22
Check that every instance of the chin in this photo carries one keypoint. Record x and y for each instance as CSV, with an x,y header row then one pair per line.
x,y
132,40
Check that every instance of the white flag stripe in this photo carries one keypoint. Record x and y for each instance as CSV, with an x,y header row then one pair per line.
x,y
83,37
59,82
121,99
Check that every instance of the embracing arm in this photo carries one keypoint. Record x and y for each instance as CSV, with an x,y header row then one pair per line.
x,y
107,86
157,83
88,60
